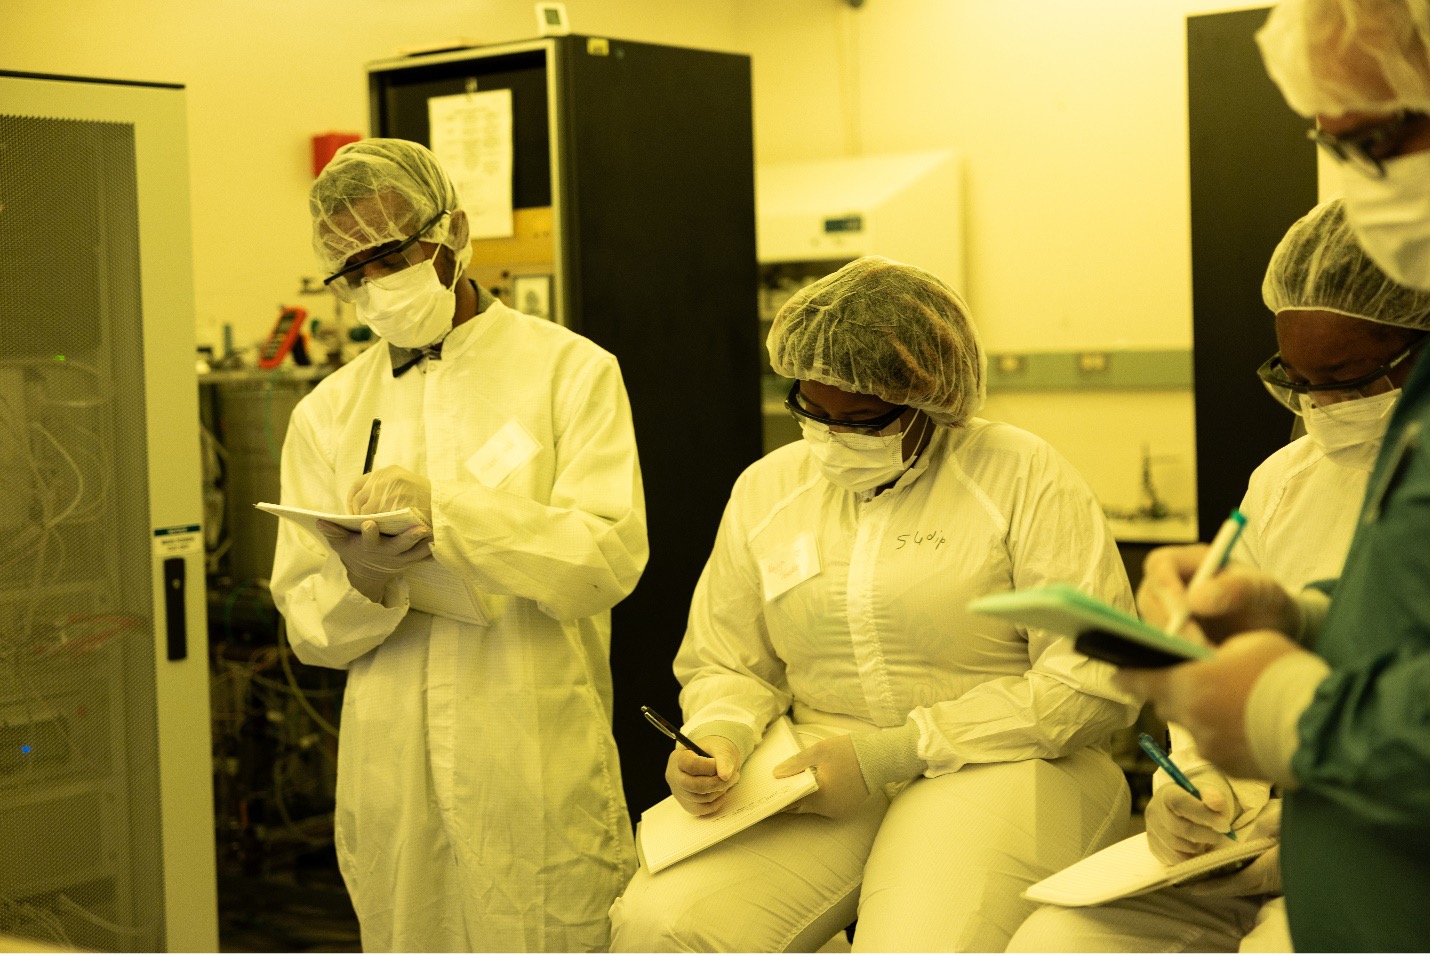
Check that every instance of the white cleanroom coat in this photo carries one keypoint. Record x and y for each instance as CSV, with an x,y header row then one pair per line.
x,y
850,610
479,802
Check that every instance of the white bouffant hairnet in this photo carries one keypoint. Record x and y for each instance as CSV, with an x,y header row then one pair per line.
x,y
879,327
1318,265
377,191
1343,56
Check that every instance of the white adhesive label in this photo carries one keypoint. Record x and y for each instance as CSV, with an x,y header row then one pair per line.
x,y
503,454
795,565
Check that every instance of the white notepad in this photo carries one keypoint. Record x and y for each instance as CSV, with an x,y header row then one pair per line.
x,y
1128,869
669,833
430,586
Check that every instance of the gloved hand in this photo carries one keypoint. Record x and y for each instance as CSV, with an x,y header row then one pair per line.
x,y
373,559
1264,874
701,783
391,488
1239,599
1179,826
836,766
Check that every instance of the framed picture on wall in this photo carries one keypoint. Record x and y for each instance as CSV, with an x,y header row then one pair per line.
x,y
532,295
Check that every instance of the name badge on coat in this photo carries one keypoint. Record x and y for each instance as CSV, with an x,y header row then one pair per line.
x,y
502,454
790,566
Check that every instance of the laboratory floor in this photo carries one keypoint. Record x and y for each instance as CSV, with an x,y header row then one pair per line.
x,y
306,913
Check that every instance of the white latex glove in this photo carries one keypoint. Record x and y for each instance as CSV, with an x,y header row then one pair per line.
x,y
701,783
1263,876
1179,826
836,766
391,488
373,559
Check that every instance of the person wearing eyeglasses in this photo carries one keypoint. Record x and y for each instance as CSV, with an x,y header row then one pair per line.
x,y
1345,352
1324,691
959,758
479,799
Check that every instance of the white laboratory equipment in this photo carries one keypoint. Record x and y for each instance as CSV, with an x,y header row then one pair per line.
x,y
106,820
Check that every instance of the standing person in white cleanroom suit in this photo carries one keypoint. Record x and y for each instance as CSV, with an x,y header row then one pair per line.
x,y
479,801
1340,368
959,758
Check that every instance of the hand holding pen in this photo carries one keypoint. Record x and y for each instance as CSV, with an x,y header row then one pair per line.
x,y
1226,598
1177,831
700,773
1218,553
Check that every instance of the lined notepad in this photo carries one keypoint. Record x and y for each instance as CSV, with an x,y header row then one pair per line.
x,y
669,833
1128,869
430,586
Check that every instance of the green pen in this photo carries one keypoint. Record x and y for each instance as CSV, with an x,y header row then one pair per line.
x,y
1165,762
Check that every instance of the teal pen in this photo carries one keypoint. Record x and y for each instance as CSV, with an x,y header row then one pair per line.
x,y
1218,554
1165,762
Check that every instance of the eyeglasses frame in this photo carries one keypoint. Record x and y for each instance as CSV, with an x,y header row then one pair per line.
x,y
399,248
869,425
1357,149
1267,372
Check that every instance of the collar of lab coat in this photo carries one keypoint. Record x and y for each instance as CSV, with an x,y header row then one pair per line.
x,y
932,450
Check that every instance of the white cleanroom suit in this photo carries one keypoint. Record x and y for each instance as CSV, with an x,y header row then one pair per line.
x,y
479,801
848,608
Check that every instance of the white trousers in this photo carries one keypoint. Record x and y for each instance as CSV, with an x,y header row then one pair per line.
x,y
1168,921
939,867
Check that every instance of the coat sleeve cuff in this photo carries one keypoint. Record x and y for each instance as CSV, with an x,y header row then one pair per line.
x,y
1278,699
738,734
1314,605
889,756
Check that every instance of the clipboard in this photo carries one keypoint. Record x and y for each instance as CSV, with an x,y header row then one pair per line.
x,y
1099,630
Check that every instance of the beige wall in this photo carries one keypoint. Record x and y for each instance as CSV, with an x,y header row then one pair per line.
x,y
263,77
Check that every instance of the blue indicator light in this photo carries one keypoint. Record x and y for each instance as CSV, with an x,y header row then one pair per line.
x,y
24,748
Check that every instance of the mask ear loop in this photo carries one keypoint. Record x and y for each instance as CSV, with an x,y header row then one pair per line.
x,y
919,446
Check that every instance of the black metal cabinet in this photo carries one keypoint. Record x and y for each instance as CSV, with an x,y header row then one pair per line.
x,y
645,154
1253,173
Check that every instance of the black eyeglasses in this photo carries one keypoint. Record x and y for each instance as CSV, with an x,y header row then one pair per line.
x,y
1366,149
1293,394
870,425
346,280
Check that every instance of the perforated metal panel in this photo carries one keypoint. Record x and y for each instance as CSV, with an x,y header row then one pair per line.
x,y
80,833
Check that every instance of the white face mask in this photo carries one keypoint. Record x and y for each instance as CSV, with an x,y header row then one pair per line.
x,y
857,462
1391,217
1350,432
410,308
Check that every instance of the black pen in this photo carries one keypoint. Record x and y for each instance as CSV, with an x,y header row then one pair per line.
x,y
671,731
372,445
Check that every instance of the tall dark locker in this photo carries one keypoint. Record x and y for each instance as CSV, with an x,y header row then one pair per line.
x,y
645,155
1253,173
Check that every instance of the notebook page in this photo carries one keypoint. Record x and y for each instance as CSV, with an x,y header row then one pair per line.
x,y
669,834
388,522
1128,868
431,587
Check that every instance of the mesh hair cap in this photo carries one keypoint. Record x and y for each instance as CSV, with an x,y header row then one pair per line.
x,y
1319,265
377,191
879,327
1342,56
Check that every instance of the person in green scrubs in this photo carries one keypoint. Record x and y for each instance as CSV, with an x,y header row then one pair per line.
x,y
1328,692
